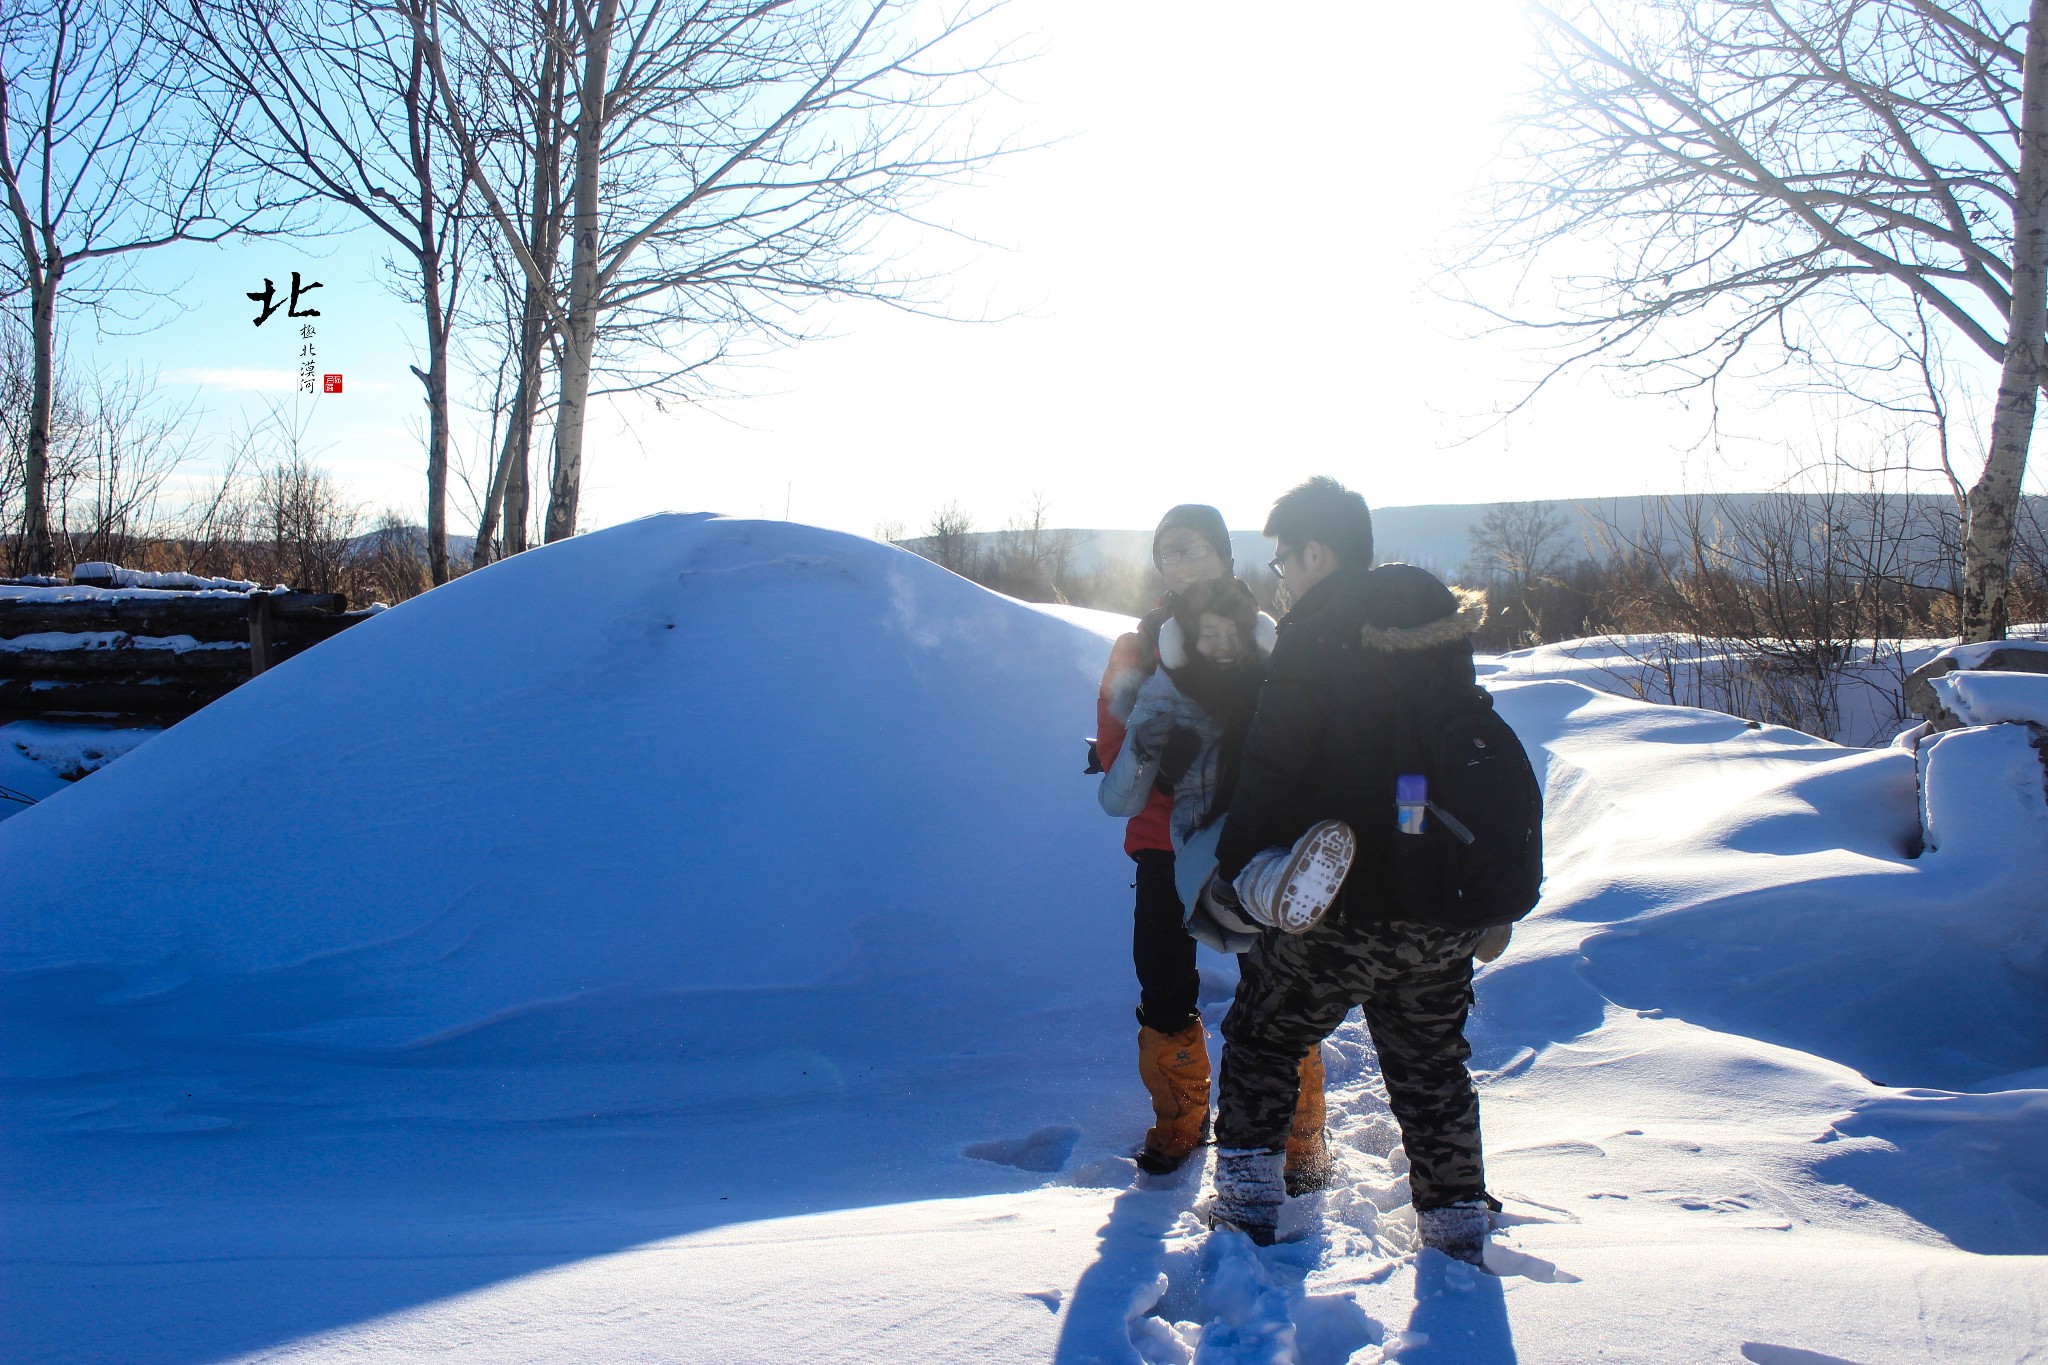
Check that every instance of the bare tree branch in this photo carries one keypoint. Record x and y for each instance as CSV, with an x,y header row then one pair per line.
x,y
1756,173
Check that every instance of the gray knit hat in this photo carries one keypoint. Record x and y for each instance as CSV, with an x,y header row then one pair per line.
x,y
1205,521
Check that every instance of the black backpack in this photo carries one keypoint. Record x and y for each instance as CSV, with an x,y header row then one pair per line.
x,y
1479,859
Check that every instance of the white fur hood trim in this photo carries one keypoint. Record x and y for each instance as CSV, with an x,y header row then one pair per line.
x,y
1444,630
1173,645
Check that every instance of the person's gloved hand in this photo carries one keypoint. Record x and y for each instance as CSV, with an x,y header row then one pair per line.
x,y
1493,942
1218,918
1150,728
1178,754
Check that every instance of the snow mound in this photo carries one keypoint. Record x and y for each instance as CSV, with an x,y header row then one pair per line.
x,y
1757,880
689,771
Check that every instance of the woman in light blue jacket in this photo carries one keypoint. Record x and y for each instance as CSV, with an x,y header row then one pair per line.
x,y
1186,726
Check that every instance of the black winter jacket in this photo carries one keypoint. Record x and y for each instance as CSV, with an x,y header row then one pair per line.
x,y
1362,654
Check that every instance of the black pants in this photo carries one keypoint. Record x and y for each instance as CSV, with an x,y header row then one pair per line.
x,y
1161,948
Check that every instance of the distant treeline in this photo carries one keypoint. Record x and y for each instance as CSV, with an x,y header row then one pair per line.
x,y
1830,565
1770,606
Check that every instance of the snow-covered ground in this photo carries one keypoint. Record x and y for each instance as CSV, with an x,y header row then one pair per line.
x,y
1860,701
697,941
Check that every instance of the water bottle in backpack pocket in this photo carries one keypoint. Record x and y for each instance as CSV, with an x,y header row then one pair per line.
x,y
1411,803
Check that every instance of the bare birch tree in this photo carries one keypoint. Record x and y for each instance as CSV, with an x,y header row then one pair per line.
x,y
726,161
1762,175
522,147
104,153
1995,497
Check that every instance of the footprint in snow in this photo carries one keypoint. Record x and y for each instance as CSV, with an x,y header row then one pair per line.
x,y
1762,1353
1046,1149
1253,1307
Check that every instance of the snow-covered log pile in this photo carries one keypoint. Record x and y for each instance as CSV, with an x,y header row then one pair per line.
x,y
99,574
121,642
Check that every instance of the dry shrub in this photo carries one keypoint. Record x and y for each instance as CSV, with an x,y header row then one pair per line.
x,y
271,515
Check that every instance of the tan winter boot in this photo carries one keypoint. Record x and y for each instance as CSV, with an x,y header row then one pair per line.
x,y
1175,1069
1308,1159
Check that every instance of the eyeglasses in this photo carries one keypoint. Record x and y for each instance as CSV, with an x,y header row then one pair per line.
x,y
1200,550
1278,563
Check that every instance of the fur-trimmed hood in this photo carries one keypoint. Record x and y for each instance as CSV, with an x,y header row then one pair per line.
x,y
1460,623
1173,643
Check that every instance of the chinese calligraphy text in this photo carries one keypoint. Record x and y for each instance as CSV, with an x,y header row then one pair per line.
x,y
268,298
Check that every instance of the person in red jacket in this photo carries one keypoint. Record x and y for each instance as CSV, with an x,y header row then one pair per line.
x,y
1191,545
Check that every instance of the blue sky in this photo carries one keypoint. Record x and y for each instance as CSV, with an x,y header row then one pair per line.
x,y
1221,279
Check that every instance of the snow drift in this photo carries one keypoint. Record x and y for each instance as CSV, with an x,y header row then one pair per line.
x,y
696,940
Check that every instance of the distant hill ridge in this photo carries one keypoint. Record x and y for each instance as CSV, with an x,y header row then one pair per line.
x,y
408,538
1438,536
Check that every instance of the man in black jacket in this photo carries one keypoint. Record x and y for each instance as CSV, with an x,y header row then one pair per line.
x,y
1363,652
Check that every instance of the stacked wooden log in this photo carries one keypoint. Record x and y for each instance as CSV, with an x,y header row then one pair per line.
x,y
101,645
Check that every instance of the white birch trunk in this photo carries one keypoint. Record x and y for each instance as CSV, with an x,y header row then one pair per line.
x,y
1994,499
35,527
579,344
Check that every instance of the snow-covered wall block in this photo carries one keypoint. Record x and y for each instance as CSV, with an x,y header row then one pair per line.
x,y
1988,698
1983,792
1995,656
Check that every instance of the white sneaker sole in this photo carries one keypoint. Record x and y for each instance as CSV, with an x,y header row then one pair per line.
x,y
1315,870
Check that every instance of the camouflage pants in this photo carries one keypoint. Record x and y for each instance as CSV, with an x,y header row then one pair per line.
x,y
1414,984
